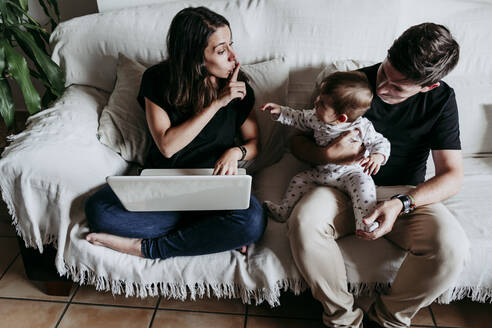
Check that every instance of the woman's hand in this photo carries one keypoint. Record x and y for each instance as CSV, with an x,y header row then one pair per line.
x,y
227,163
232,90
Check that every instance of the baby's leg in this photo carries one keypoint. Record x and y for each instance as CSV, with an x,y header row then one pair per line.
x,y
299,185
362,191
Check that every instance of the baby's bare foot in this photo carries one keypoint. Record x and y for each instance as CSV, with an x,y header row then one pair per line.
x,y
126,245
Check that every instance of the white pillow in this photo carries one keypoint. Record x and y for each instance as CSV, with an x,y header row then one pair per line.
x,y
122,126
270,82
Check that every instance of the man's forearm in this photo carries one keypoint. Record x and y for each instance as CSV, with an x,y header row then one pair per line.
x,y
447,181
343,150
437,189
306,150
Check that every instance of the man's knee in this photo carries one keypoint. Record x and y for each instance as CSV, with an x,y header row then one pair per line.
x,y
316,213
450,245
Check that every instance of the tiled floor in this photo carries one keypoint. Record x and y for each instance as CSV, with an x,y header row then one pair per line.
x,y
22,304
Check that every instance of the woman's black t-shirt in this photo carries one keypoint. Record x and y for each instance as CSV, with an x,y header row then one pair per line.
x,y
422,122
214,139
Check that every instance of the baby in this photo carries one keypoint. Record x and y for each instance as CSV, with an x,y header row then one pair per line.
x,y
344,97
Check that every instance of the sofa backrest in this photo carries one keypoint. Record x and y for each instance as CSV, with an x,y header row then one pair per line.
x,y
309,34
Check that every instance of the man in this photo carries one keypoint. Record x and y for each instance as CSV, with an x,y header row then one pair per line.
x,y
417,113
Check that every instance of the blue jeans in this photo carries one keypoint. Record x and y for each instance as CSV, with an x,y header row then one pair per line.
x,y
167,234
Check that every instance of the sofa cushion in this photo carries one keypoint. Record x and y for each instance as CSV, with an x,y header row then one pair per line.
x,y
270,81
122,126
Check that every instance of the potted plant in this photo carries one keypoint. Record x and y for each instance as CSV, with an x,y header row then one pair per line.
x,y
21,37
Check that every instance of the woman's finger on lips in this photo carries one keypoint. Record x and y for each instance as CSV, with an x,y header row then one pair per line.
x,y
235,73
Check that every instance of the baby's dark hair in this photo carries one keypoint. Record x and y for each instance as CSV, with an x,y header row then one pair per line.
x,y
350,93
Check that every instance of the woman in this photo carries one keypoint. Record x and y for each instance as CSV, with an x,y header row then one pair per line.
x,y
195,106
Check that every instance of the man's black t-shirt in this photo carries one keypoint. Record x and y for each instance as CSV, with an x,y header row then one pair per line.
x,y
422,122
214,139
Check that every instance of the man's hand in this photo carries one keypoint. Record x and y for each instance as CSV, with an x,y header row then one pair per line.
x,y
372,163
346,149
386,214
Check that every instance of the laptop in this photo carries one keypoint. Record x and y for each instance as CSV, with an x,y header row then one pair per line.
x,y
182,190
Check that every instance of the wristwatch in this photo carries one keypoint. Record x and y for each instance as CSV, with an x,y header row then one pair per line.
x,y
243,150
407,201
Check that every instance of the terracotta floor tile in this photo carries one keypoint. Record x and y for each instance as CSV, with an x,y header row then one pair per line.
x,y
423,317
261,322
89,294
94,316
206,304
182,319
463,314
9,250
15,284
29,314
297,306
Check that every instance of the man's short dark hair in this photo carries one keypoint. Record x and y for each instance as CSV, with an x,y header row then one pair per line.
x,y
425,53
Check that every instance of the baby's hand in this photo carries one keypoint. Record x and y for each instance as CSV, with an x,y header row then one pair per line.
x,y
372,163
273,108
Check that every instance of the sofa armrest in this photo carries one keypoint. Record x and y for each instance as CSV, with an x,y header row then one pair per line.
x,y
54,161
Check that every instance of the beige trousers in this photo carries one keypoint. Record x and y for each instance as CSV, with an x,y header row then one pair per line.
x,y
437,249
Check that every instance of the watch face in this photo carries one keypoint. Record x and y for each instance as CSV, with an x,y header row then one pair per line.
x,y
405,201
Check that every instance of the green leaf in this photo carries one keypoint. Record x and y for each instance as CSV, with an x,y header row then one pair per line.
x,y
54,5
42,31
7,109
20,13
18,69
45,66
24,4
48,98
2,57
6,104
48,13
8,14
39,36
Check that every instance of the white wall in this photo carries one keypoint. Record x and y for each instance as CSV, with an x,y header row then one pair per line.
x,y
68,9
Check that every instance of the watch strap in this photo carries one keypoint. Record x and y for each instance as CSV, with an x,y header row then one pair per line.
x,y
243,150
407,201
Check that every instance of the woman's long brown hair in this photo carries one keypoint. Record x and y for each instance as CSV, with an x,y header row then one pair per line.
x,y
189,88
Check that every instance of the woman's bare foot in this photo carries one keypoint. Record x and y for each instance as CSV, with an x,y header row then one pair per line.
x,y
243,250
126,245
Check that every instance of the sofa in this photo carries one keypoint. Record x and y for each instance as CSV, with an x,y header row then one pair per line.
x,y
66,151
